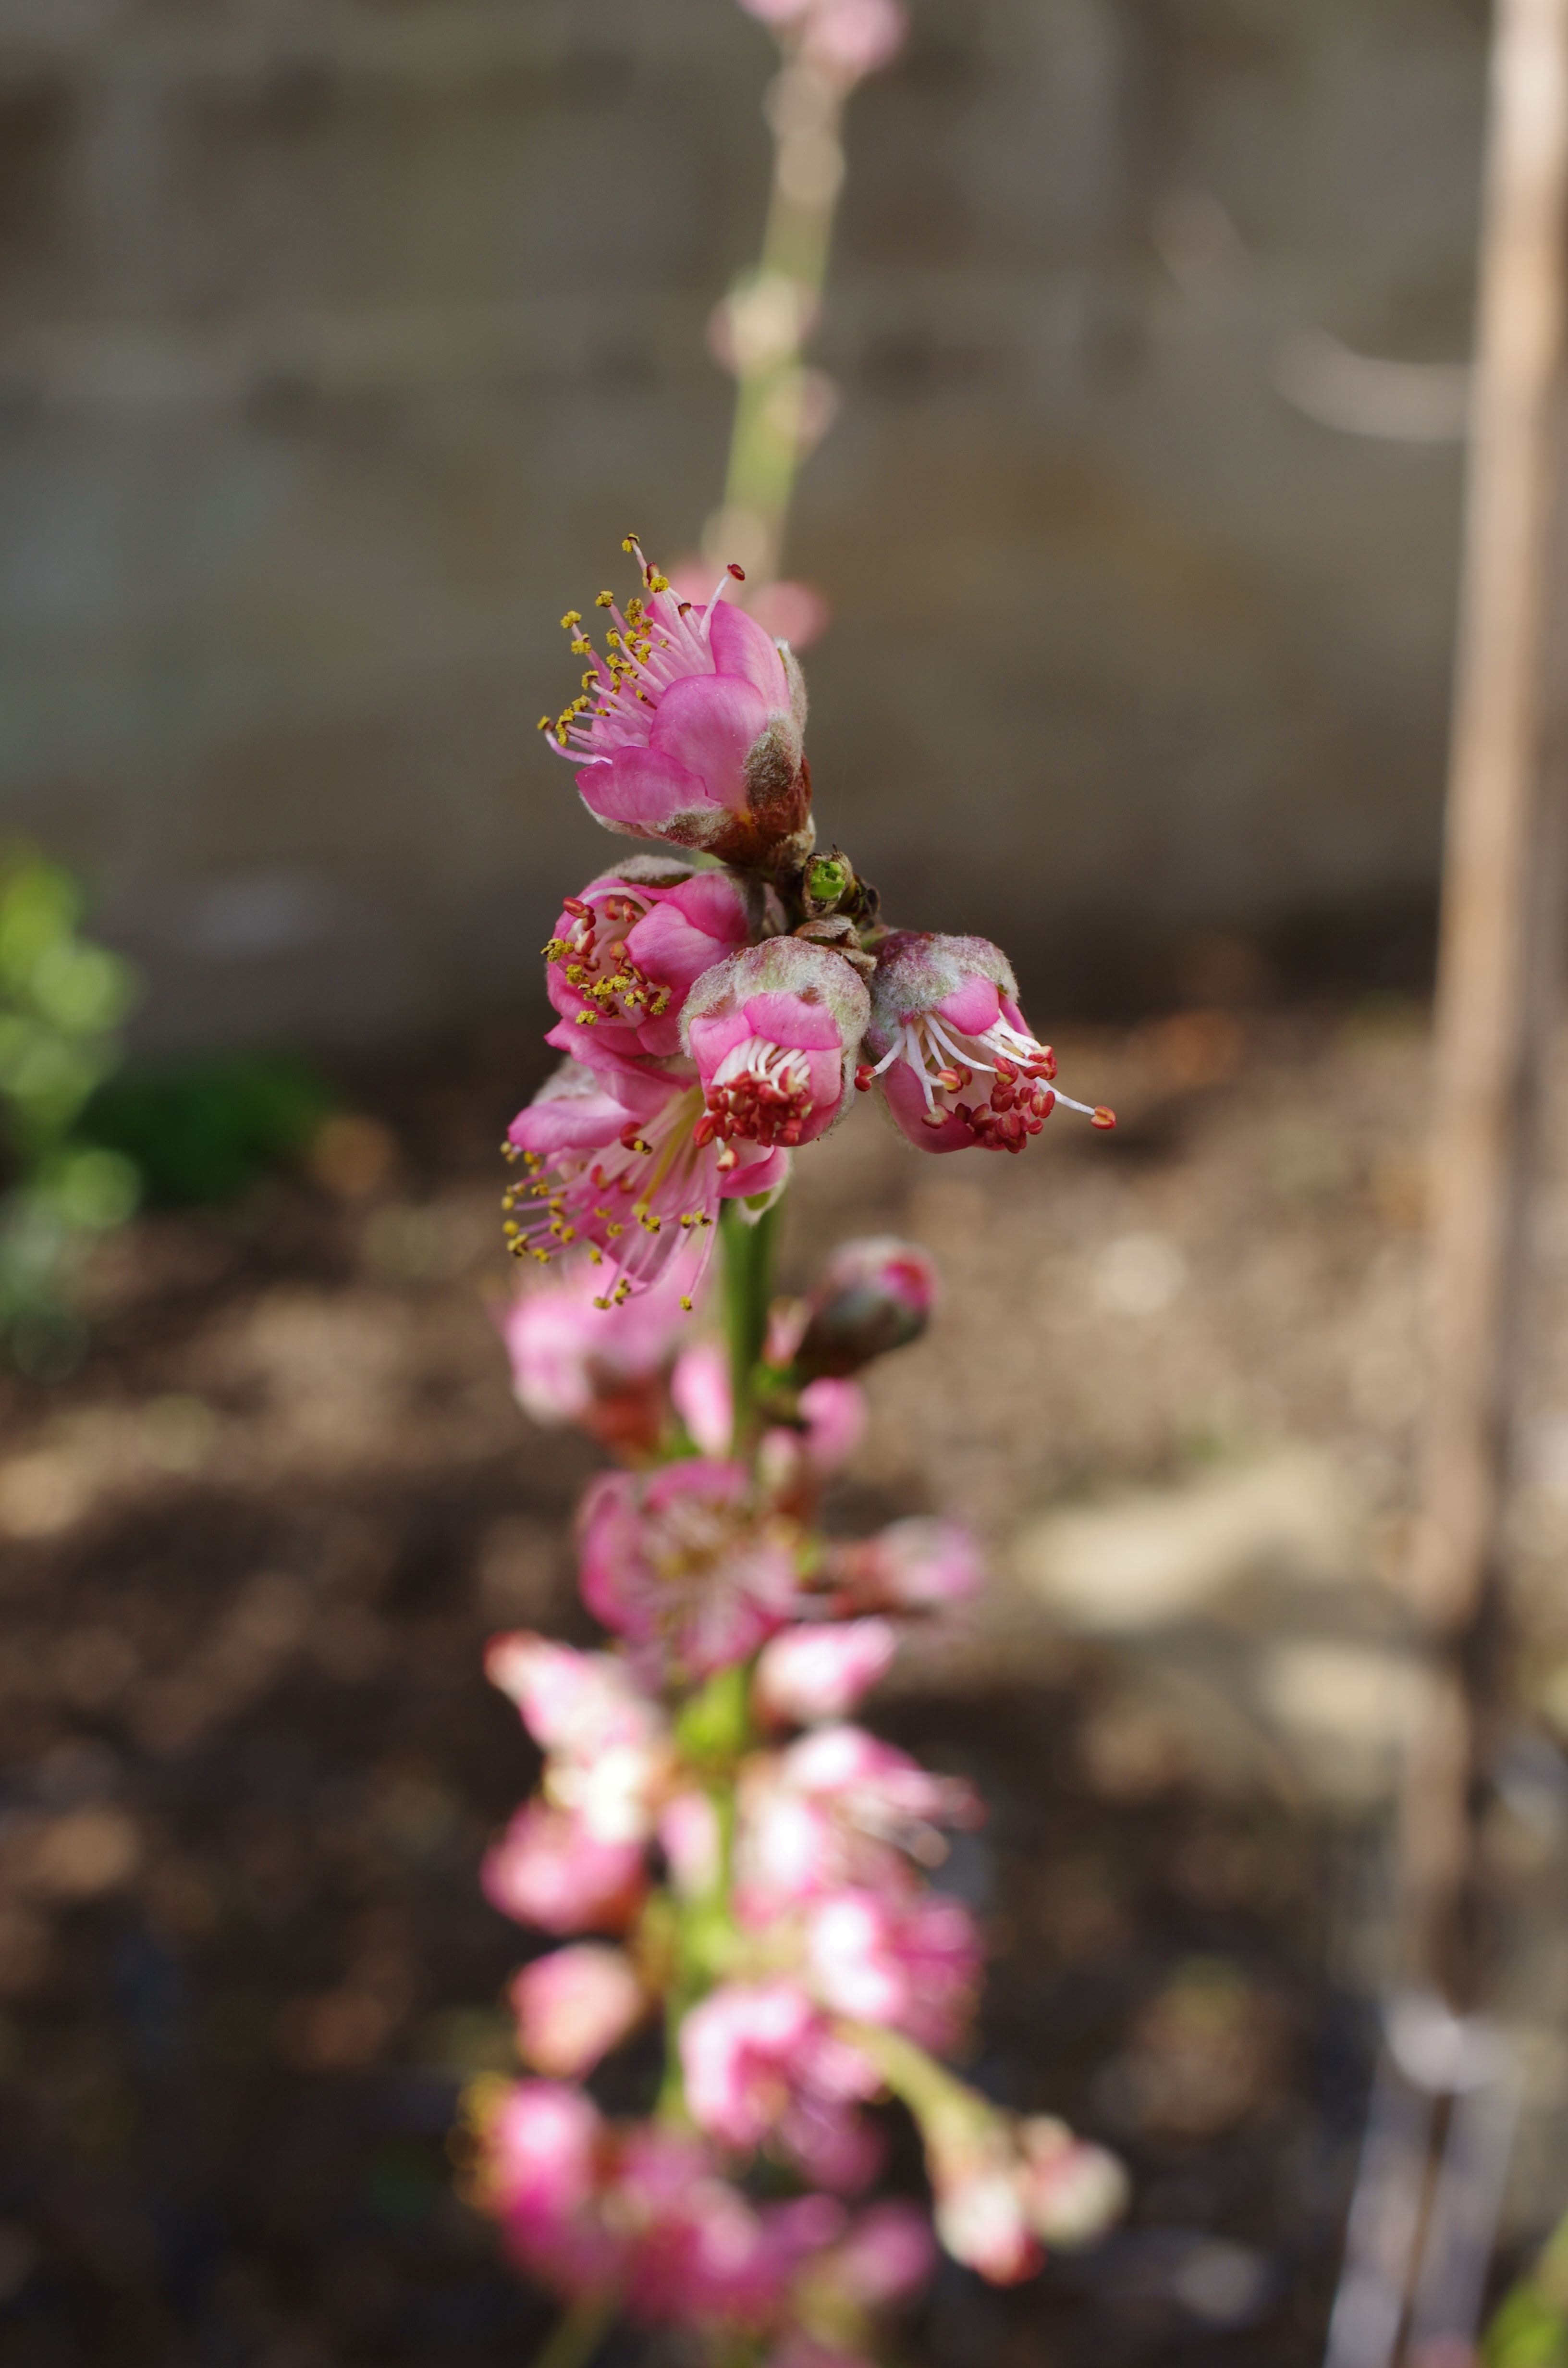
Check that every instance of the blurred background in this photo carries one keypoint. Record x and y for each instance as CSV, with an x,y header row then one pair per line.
x,y
340,343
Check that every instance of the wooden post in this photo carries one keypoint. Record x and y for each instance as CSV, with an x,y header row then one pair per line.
x,y
1499,883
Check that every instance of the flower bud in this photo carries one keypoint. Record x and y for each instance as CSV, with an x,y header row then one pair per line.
x,y
573,2006
691,724
1072,2191
959,1067
876,1296
774,1032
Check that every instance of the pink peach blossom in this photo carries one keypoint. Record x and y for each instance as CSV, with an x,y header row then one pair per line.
x,y
774,1031
912,1565
913,1963
573,2006
944,1014
760,2062
886,2256
832,1416
542,2167
699,1391
575,1361
612,1163
681,1563
548,1870
838,1810
626,948
572,1703
691,724
806,1675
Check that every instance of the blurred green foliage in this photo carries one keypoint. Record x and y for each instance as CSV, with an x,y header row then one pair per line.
x,y
63,1001
1530,2326
200,1133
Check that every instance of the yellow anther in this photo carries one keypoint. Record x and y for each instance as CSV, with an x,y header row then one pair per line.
x,y
581,646
603,600
543,723
573,617
660,582
602,1302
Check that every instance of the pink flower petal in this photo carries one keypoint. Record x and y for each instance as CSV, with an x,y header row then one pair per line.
x,y
742,648
709,725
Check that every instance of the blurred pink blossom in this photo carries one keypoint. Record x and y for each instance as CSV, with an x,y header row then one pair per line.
x,y
806,1675
912,1565
761,2063
573,2006
913,1963
699,1391
839,1810
548,1870
677,1562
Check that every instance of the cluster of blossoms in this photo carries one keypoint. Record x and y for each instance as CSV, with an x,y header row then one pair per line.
x,y
719,1012
753,1865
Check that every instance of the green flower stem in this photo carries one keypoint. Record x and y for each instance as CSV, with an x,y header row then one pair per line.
x,y
747,1244
579,2332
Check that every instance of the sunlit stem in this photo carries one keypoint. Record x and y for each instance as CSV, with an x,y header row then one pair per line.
x,y
941,2104
578,2333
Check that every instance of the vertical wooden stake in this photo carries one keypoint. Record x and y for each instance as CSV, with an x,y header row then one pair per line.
x,y
1488,1014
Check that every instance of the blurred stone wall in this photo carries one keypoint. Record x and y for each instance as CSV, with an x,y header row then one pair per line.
x,y
340,342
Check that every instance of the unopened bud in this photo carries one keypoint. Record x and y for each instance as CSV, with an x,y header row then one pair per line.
x,y
877,1295
827,879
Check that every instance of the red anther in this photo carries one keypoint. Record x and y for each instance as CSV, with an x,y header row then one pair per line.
x,y
1005,1071
729,1158
863,1079
575,907
1002,1098
1048,1060
630,1140
935,1118
705,1129
1104,1118
1047,1103
949,1079
738,573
